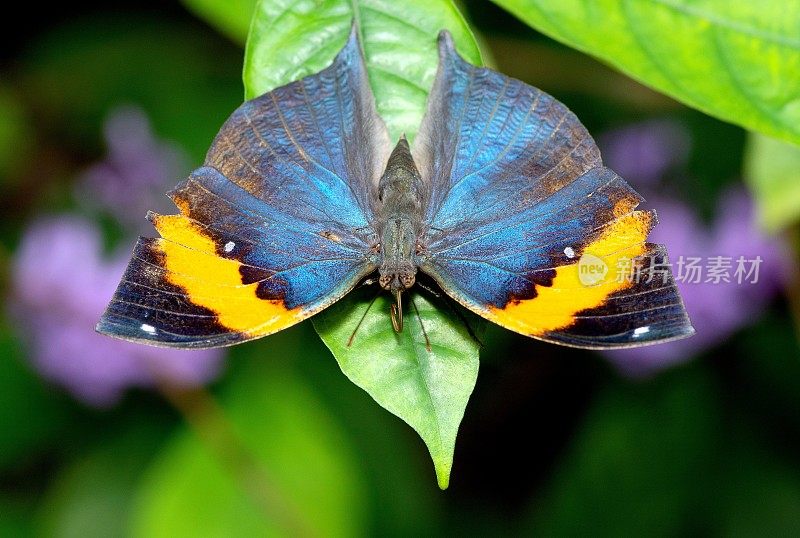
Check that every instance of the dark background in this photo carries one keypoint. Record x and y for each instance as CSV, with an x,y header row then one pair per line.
x,y
555,441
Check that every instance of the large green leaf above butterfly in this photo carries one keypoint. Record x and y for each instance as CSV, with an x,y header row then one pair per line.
x,y
736,60
290,39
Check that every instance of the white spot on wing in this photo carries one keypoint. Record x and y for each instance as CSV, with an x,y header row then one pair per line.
x,y
639,331
229,246
149,329
569,252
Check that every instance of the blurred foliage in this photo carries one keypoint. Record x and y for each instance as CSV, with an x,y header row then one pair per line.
x,y
640,452
77,73
92,494
15,519
231,17
555,442
30,416
270,461
772,170
665,459
15,135
401,72
739,61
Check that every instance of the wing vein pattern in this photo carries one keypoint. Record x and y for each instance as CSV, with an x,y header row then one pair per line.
x,y
277,224
525,226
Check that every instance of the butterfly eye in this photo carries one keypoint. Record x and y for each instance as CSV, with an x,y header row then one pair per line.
x,y
407,280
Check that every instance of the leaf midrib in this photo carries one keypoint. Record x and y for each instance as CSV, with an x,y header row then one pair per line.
x,y
417,358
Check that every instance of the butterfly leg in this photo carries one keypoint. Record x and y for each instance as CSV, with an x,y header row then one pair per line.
x,y
422,326
358,325
452,307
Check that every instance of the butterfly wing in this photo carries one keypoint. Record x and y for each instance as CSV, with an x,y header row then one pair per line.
x,y
275,226
519,203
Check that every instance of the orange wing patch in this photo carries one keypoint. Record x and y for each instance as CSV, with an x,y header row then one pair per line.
x,y
213,282
554,307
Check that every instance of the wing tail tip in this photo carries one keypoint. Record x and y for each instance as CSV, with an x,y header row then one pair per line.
x,y
100,328
353,42
107,327
590,344
124,333
445,42
353,34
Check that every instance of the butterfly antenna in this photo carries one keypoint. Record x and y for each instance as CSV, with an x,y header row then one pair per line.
x,y
422,325
358,326
464,320
429,290
454,308
396,312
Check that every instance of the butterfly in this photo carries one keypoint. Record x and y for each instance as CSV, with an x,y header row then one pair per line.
x,y
502,200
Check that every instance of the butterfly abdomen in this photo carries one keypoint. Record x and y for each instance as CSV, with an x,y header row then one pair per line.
x,y
400,212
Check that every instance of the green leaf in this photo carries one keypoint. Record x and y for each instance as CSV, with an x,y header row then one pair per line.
x,y
292,39
289,40
16,516
738,61
632,469
34,414
16,138
231,17
427,389
772,170
270,462
92,495
89,498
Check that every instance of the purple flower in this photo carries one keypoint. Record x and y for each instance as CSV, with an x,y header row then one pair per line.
x,y
644,152
717,309
136,172
61,285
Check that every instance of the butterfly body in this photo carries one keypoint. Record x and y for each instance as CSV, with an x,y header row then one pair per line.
x,y
400,193
500,199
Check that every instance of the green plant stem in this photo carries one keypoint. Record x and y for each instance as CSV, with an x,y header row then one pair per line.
x,y
208,420
793,292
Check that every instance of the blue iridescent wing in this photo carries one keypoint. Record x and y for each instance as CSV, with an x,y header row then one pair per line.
x,y
519,204
275,227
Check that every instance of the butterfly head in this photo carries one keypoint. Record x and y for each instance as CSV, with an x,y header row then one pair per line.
x,y
396,279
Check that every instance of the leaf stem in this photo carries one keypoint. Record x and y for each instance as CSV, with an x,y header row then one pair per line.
x,y
208,421
793,291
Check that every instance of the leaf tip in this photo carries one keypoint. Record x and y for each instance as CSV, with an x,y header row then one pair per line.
x,y
443,473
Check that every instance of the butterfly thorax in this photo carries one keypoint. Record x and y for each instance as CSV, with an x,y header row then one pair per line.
x,y
399,191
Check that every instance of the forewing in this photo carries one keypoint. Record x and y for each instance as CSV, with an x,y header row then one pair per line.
x,y
518,203
275,227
